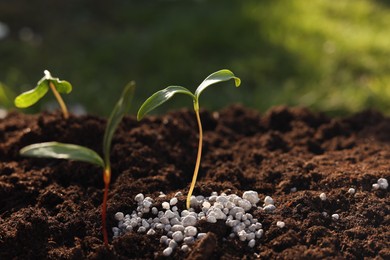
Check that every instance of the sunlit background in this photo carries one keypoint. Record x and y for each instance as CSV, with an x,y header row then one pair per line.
x,y
331,56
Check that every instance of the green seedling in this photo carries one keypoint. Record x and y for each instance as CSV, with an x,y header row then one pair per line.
x,y
80,153
56,85
5,96
163,95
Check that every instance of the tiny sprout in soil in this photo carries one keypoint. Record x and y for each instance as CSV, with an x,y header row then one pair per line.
x,y
163,95
57,86
80,153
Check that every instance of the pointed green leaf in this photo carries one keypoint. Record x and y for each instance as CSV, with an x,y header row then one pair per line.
x,y
219,76
31,97
62,151
120,109
159,98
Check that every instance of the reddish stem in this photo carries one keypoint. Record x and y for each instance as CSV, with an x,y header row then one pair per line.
x,y
104,214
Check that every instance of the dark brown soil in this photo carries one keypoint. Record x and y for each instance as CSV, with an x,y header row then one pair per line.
x,y
51,208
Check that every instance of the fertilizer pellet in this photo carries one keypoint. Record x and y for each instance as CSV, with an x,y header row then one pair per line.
x,y
280,224
177,228
201,235
185,248
165,205
177,236
211,219
268,201
335,216
173,244
323,196
139,197
269,208
189,220
250,236
383,183
190,231
259,233
163,239
173,201
351,191
206,205
174,221
150,232
169,214
141,229
189,240
119,216
167,251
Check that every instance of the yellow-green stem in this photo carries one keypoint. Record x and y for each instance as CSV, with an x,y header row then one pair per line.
x,y
196,107
60,100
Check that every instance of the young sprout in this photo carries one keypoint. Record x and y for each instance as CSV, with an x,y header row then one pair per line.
x,y
56,85
163,95
80,153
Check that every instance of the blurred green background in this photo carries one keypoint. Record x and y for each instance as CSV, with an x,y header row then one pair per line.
x,y
331,56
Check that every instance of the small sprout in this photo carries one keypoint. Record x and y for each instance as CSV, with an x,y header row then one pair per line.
x,y
56,85
80,153
163,95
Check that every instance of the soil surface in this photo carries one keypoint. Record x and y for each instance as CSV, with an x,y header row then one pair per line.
x,y
50,209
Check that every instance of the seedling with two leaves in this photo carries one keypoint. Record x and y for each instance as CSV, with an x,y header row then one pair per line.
x,y
80,153
164,95
56,85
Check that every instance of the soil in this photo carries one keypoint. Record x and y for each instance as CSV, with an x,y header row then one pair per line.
x,y
50,209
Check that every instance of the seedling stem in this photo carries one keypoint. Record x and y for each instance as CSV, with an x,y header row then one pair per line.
x,y
60,100
197,164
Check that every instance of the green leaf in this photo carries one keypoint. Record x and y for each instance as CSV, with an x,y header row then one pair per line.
x,y
161,97
5,94
62,86
219,76
31,97
62,151
120,109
